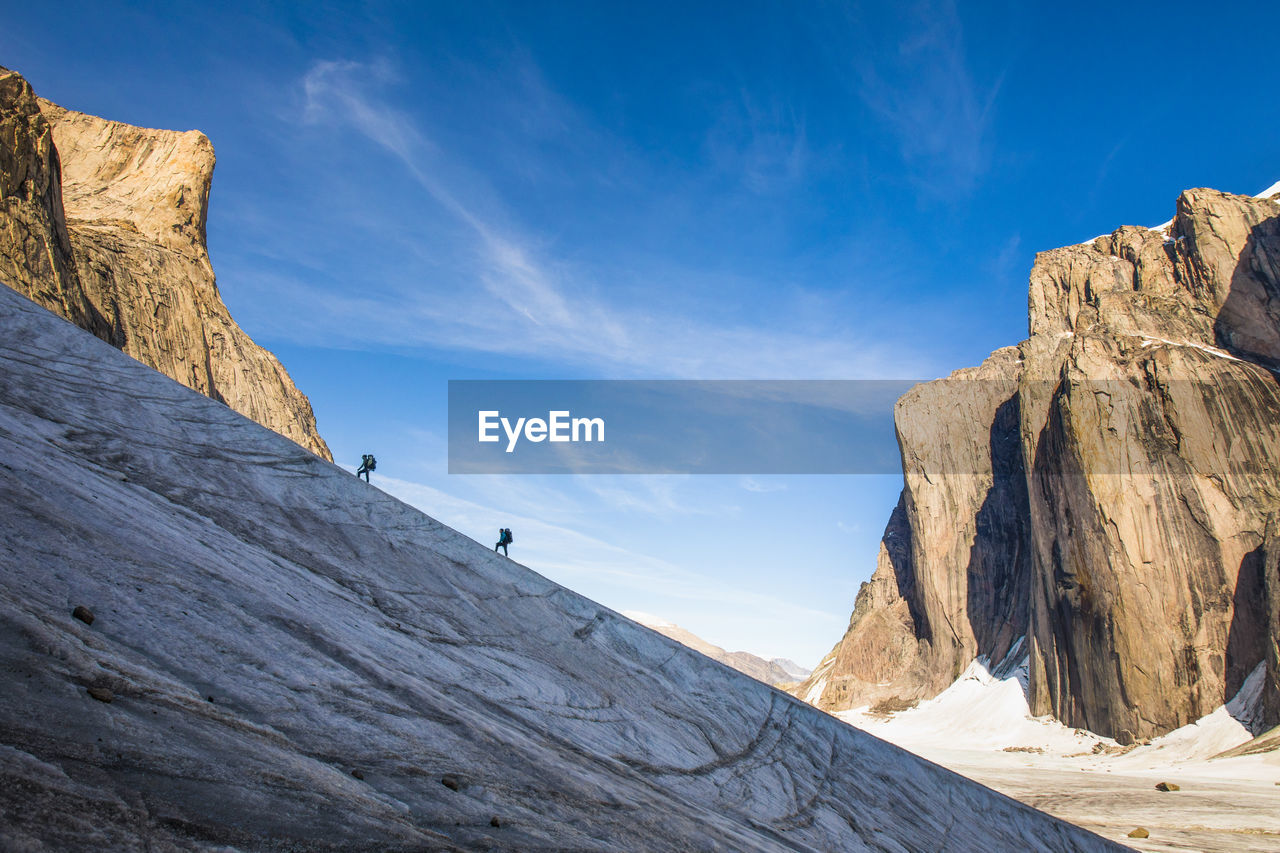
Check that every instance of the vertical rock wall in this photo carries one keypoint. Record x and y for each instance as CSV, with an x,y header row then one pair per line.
x,y
1105,492
35,248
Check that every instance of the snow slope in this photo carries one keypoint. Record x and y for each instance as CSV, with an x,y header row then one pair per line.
x,y
982,728
981,710
986,709
298,661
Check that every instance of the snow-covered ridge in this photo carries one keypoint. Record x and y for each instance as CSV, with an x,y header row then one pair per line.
x,y
289,653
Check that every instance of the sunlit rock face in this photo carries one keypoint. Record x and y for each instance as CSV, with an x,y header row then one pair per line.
x,y
104,223
212,639
1102,497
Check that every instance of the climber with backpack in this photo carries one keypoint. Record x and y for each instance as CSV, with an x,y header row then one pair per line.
x,y
504,539
367,464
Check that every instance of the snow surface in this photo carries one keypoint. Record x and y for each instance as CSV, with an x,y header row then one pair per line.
x,y
981,727
980,710
298,660
1228,726
821,675
1148,341
1274,189
983,710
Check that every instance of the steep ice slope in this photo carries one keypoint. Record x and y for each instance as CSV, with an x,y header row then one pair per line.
x,y
297,661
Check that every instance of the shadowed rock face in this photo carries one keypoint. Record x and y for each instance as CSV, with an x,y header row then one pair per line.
x,y
104,223
1105,492
285,658
35,248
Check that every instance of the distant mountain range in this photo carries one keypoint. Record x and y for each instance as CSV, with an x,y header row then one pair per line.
x,y
775,671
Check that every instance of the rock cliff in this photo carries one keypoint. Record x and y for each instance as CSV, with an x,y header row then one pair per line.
x,y
104,223
1103,497
35,247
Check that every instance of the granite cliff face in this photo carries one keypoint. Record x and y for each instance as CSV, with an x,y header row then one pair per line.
x,y
104,223
1102,498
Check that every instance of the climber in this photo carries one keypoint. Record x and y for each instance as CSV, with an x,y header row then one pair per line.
x,y
367,464
504,539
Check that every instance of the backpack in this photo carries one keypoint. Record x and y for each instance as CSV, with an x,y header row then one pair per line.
x,y
370,462
510,538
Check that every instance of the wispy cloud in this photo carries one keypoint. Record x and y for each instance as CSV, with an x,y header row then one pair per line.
x,y
751,484
547,307
650,495
346,92
916,79
343,88
656,495
765,145
1009,262
1104,168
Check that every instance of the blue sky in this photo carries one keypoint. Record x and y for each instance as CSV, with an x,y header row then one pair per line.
x,y
411,193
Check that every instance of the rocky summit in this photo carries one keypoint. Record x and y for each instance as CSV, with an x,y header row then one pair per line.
x,y
1102,498
104,223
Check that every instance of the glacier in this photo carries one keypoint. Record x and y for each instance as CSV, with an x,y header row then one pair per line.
x,y
296,660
